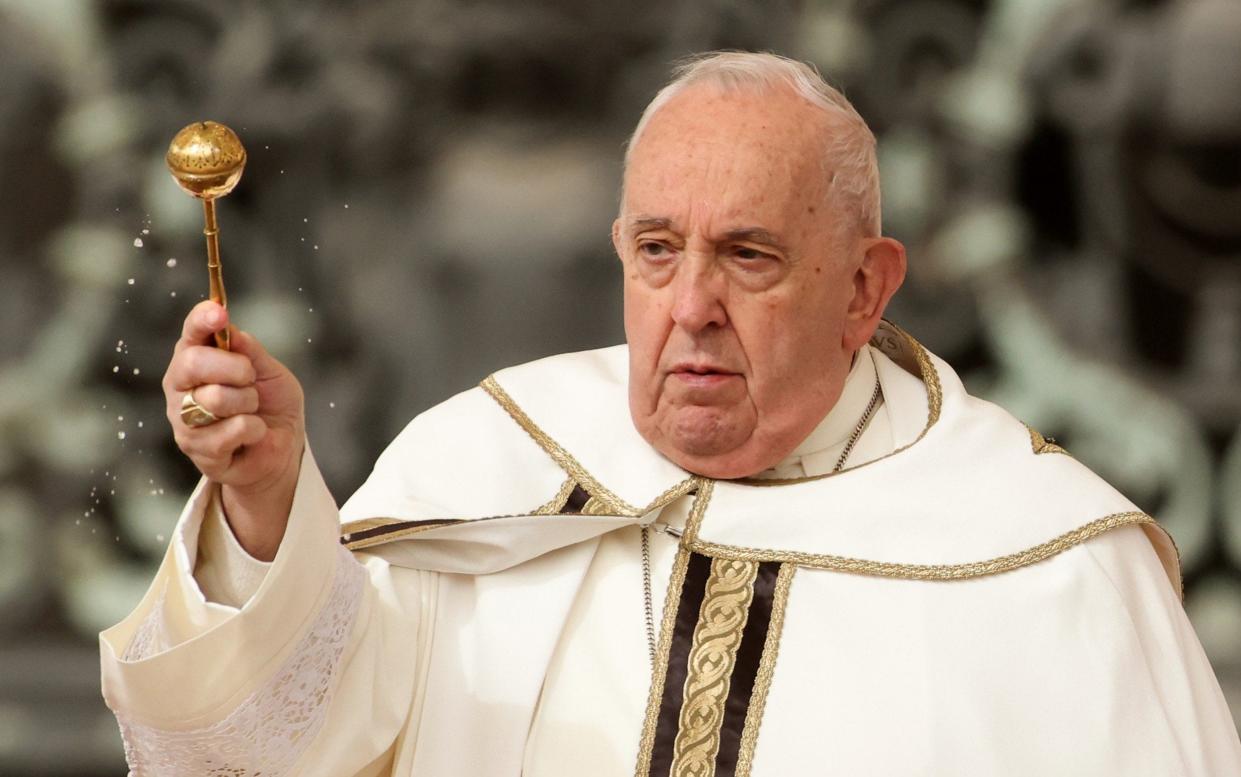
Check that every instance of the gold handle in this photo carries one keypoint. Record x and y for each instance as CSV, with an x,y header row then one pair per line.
x,y
215,273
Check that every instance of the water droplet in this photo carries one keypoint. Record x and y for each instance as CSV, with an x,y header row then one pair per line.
x,y
120,435
331,404
346,205
137,242
116,368
307,339
305,221
120,418
172,294
137,371
171,262
139,424
146,231
316,248
131,281
159,538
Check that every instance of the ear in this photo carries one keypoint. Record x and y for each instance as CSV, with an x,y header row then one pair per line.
x,y
876,279
616,238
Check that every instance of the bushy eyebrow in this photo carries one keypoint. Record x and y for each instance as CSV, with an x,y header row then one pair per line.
x,y
643,223
744,234
755,235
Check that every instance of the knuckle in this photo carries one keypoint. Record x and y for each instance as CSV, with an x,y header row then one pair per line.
x,y
209,395
216,449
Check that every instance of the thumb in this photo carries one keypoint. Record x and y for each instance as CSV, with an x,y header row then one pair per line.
x,y
265,365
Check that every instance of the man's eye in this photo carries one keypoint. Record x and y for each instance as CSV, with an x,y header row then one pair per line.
x,y
750,254
653,250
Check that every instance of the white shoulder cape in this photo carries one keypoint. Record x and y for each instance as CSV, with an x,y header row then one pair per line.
x,y
976,602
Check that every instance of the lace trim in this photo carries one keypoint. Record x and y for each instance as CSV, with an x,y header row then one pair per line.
x,y
267,733
149,638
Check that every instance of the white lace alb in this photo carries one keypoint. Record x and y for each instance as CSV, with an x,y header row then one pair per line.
x,y
267,733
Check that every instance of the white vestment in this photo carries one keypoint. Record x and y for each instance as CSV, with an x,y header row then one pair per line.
x,y
975,602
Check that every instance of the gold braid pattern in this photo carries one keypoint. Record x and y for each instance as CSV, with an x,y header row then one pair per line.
x,y
965,571
712,656
766,670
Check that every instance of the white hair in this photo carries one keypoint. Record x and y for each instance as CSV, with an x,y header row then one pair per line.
x,y
849,153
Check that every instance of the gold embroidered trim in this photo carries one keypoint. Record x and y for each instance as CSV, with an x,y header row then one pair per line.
x,y
364,524
367,542
612,504
712,656
1041,444
660,672
934,396
705,489
993,566
556,503
595,506
766,669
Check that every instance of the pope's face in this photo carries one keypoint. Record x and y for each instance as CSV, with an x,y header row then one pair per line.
x,y
739,278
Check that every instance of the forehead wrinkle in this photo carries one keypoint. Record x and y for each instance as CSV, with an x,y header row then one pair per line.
x,y
754,169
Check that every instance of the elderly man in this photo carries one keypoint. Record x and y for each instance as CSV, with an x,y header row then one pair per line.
x,y
772,535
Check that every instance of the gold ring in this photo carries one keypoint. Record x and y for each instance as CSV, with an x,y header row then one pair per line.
x,y
194,414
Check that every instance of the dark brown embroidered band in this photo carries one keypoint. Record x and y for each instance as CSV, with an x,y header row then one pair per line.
x,y
391,528
719,646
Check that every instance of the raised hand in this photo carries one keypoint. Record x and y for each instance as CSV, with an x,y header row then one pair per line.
x,y
254,446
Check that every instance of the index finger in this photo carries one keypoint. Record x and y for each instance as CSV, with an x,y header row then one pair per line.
x,y
204,320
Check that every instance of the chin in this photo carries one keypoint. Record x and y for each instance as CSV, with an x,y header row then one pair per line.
x,y
720,468
719,456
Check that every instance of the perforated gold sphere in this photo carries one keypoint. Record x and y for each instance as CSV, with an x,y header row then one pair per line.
x,y
206,159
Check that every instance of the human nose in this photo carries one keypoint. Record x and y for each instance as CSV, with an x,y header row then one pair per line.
x,y
699,301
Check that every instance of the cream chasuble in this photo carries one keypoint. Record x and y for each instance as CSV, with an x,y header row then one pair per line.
x,y
973,602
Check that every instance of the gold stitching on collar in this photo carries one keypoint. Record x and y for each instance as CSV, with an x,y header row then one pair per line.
x,y
965,571
696,511
610,502
660,671
1041,444
766,670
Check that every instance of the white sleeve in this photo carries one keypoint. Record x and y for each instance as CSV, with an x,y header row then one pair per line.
x,y
287,682
225,572
1177,667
